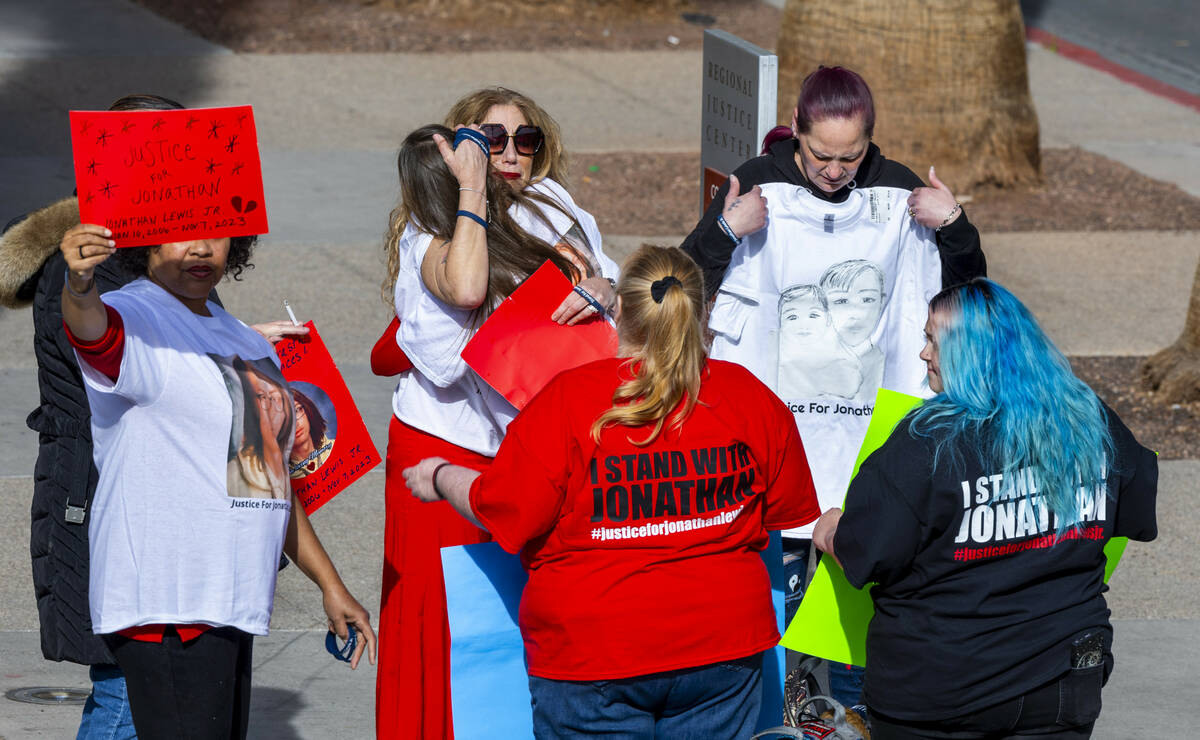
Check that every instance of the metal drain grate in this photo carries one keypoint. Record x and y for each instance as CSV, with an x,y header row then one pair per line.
x,y
48,695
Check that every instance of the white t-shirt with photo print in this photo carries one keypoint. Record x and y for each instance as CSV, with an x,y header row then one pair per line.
x,y
169,544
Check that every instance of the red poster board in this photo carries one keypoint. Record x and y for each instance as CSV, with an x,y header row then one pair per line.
x,y
343,452
156,176
519,348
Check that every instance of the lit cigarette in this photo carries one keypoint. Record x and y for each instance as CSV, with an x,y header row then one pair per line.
x,y
291,315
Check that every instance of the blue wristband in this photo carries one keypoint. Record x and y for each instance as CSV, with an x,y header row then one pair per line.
x,y
470,134
590,299
474,217
345,652
724,226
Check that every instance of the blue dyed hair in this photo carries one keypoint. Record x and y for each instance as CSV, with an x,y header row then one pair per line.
x,y
999,370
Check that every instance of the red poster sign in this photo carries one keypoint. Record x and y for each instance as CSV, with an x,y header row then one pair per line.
x,y
154,177
332,447
519,348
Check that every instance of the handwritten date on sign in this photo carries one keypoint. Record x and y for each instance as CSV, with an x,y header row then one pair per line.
x,y
165,176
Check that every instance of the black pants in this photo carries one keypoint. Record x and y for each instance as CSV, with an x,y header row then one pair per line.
x,y
199,690
1065,708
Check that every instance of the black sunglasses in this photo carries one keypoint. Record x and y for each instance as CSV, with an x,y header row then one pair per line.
x,y
527,139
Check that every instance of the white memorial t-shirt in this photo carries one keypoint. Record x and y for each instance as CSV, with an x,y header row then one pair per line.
x,y
826,305
189,514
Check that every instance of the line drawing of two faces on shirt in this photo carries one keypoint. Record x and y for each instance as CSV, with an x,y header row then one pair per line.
x,y
825,329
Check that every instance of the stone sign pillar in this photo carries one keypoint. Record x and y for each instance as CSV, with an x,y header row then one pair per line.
x,y
738,95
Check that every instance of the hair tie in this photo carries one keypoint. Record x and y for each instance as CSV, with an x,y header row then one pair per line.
x,y
659,288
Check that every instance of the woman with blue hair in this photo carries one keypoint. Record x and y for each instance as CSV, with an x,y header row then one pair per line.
x,y
981,523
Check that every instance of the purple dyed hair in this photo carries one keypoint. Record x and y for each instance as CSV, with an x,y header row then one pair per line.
x,y
834,92
779,133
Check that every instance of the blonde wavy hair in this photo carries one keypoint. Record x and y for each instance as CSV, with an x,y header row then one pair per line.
x,y
664,340
550,161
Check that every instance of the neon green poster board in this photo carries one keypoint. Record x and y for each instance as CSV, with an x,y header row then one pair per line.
x,y
831,622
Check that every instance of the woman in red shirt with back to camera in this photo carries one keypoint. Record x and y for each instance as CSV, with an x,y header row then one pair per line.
x,y
639,490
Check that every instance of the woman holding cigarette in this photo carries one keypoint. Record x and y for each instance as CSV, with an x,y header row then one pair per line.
x,y
183,552
639,491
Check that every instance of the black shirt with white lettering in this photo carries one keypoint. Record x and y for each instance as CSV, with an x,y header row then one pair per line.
x,y
979,592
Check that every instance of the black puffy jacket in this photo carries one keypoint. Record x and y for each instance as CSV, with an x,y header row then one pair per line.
x,y
64,478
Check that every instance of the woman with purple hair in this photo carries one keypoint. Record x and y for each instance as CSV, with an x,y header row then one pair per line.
x,y
830,154
823,199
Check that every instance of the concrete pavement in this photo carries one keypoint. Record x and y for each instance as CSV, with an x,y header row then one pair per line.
x,y
1157,38
329,126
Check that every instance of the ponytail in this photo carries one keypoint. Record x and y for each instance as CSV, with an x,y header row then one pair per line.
x,y
661,326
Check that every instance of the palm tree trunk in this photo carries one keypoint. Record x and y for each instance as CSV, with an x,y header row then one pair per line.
x,y
1174,373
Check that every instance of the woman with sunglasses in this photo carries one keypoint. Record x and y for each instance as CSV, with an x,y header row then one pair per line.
x,y
457,249
525,149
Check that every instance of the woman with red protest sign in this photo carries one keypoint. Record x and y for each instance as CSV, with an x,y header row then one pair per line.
x,y
457,248
184,544
631,486
31,272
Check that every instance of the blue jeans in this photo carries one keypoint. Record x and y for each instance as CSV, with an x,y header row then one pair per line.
x,y
720,700
845,681
106,714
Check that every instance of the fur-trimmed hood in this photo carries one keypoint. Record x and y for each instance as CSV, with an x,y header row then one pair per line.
x,y
25,247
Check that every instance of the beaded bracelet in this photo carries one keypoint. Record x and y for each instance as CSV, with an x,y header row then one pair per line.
x,y
950,216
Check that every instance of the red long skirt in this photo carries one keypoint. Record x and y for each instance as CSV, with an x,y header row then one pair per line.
x,y
412,690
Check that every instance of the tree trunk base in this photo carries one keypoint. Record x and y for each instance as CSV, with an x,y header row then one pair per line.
x,y
1173,374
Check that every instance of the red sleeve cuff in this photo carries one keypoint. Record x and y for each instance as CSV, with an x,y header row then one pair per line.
x,y
500,538
103,354
154,632
387,359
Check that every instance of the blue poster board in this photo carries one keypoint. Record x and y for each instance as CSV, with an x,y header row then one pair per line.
x,y
489,687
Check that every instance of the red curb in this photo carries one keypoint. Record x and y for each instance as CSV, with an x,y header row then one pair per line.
x,y
1091,59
